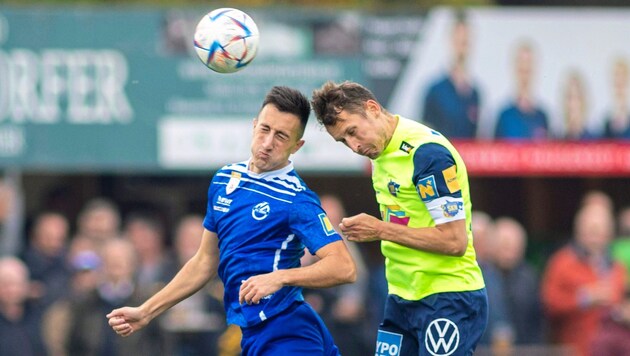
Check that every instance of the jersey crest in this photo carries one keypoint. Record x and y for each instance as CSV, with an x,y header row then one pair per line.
x,y
235,179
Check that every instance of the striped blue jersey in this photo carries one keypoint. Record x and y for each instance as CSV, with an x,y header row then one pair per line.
x,y
263,222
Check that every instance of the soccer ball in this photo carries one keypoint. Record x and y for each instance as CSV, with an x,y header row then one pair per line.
x,y
226,40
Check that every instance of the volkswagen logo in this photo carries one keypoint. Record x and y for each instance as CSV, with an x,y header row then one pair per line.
x,y
442,337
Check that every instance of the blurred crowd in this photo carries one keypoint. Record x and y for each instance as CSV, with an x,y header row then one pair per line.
x,y
578,304
67,275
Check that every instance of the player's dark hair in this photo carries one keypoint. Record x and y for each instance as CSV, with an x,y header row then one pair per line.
x,y
291,101
332,98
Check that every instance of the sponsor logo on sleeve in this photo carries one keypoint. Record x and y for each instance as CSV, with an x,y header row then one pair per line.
x,y
450,177
427,189
326,224
451,208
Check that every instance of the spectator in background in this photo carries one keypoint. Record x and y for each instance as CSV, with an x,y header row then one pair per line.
x,y
523,118
89,330
20,319
11,215
452,102
196,323
617,121
84,264
575,106
581,281
155,265
99,220
499,333
597,197
613,337
46,256
519,281
621,244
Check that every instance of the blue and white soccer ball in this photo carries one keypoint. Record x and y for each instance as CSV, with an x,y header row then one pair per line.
x,y
226,40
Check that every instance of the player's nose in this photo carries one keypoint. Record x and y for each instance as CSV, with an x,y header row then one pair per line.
x,y
267,142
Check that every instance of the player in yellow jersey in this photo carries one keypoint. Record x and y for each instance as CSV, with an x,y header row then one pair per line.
x,y
437,302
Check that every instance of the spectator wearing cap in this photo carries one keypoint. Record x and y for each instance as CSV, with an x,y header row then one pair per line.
x,y
90,334
83,263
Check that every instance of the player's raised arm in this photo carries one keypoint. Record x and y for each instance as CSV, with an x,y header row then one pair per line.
x,y
192,277
448,238
335,267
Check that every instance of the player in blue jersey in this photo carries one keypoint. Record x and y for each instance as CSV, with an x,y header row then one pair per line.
x,y
260,216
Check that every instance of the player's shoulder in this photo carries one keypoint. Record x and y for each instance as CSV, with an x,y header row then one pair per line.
x,y
433,149
230,170
240,167
432,157
417,133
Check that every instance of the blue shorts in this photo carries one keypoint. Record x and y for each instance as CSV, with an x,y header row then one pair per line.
x,y
440,324
296,331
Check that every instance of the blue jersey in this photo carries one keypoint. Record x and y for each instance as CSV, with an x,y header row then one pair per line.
x,y
263,222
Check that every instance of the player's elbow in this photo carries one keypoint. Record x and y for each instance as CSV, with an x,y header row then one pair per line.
x,y
458,246
349,272
458,251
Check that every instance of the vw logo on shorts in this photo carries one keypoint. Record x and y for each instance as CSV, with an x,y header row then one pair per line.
x,y
442,337
261,210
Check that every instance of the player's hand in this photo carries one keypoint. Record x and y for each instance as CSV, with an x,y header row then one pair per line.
x,y
125,321
257,287
360,228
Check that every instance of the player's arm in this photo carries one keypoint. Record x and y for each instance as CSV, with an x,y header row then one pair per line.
x,y
335,266
192,277
449,238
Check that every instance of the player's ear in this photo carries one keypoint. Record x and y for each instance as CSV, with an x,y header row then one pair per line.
x,y
297,146
372,106
255,121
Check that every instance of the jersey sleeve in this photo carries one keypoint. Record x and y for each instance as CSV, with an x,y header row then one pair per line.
x,y
311,224
208,221
435,178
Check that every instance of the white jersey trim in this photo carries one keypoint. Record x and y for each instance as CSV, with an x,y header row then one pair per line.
x,y
285,244
446,209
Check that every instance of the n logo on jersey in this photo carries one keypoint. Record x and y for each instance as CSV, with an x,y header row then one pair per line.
x,y
326,224
261,211
441,337
427,189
